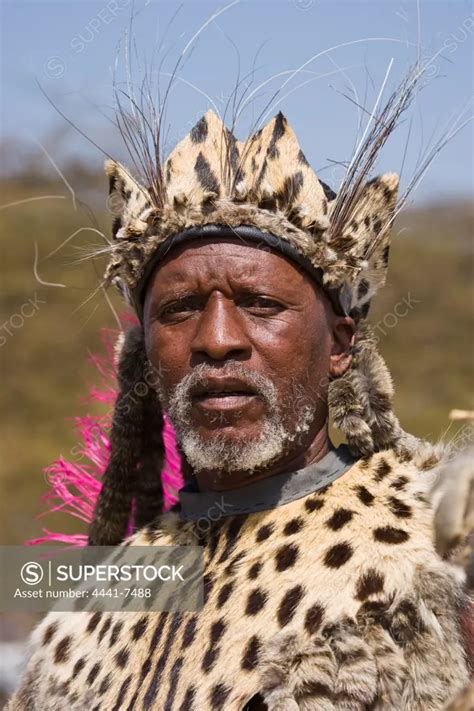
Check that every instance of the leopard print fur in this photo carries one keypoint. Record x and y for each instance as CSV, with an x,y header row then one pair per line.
x,y
337,600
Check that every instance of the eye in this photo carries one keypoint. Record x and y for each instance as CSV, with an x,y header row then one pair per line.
x,y
261,305
179,308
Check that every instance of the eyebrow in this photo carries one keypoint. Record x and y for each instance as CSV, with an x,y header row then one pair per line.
x,y
177,284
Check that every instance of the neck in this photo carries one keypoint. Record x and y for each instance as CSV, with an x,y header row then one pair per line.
x,y
312,452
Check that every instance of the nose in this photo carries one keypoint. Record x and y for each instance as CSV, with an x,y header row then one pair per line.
x,y
220,334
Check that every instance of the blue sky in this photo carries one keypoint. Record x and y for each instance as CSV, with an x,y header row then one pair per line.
x,y
70,48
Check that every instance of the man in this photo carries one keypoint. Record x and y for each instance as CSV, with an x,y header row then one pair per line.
x,y
323,588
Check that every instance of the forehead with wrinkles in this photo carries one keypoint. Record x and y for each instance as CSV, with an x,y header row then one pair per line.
x,y
228,264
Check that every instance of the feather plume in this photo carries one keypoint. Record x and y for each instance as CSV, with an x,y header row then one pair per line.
x,y
75,484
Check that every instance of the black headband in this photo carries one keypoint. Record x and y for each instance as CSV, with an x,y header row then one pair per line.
x,y
340,299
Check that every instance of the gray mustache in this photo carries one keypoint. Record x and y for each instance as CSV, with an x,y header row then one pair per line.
x,y
262,385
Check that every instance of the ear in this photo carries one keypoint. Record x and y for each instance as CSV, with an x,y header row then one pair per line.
x,y
343,343
128,201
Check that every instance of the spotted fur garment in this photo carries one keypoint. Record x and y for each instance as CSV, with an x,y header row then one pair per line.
x,y
334,601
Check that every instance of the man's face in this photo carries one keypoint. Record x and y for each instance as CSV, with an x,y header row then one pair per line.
x,y
244,344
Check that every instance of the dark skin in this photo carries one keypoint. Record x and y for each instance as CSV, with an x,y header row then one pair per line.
x,y
222,302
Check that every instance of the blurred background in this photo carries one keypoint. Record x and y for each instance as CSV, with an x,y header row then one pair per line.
x,y
323,64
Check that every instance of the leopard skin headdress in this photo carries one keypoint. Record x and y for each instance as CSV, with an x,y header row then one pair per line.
x,y
261,190
266,184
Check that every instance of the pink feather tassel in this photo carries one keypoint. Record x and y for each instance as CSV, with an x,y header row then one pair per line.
x,y
75,485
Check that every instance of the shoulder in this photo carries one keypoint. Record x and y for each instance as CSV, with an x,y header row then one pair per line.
x,y
391,608
378,524
390,497
63,643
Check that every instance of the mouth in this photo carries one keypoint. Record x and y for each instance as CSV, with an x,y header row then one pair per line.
x,y
223,394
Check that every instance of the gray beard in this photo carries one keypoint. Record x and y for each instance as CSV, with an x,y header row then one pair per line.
x,y
226,454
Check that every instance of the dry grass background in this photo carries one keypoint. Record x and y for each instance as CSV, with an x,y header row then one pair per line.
x,y
44,362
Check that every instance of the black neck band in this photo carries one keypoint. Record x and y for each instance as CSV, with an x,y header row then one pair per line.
x,y
264,494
